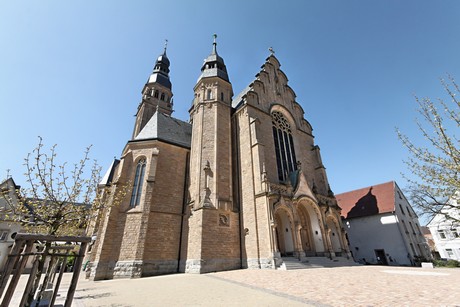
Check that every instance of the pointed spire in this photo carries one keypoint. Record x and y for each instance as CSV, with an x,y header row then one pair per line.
x,y
214,65
160,72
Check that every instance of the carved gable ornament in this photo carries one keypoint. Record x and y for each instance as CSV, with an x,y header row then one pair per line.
x,y
303,188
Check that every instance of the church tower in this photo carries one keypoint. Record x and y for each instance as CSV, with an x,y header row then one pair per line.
x,y
140,236
156,94
213,224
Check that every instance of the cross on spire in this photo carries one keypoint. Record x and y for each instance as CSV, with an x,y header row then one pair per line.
x,y
166,45
214,44
272,52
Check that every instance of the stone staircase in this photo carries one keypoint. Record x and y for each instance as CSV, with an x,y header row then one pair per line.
x,y
292,263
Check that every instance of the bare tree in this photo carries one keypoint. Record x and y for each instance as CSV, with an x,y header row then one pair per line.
x,y
434,166
59,200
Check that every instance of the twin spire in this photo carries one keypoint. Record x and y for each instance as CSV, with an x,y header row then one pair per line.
x,y
213,66
160,72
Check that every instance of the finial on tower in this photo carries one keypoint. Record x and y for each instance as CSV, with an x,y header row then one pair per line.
x,y
166,46
214,44
272,52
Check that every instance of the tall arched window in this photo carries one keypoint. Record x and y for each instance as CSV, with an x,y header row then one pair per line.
x,y
209,94
137,185
284,145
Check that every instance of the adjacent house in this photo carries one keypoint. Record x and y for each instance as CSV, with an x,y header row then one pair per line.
x,y
8,228
445,229
430,241
382,227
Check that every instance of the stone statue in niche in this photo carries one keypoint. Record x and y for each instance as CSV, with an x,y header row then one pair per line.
x,y
224,220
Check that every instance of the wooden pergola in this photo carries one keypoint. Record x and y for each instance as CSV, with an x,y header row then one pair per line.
x,y
23,249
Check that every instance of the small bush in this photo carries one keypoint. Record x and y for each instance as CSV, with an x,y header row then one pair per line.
x,y
446,263
453,264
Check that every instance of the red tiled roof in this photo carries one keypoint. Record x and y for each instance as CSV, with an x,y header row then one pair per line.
x,y
368,201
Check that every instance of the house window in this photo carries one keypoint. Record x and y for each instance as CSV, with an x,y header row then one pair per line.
x,y
284,145
402,210
412,228
455,233
418,228
3,235
137,185
404,225
408,211
412,248
450,253
441,234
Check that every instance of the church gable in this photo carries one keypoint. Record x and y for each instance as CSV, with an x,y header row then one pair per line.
x,y
269,89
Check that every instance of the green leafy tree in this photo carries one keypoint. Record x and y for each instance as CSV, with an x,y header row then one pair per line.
x,y
434,167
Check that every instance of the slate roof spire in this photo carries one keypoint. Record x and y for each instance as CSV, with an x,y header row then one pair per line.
x,y
214,65
160,72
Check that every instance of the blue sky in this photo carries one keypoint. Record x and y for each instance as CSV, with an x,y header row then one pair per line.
x,y
72,71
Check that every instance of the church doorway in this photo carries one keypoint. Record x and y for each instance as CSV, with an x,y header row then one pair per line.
x,y
312,235
306,237
380,256
284,233
334,236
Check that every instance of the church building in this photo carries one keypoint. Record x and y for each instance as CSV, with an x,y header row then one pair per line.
x,y
240,185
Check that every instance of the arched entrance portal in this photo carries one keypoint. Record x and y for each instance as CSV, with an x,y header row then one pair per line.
x,y
334,235
284,232
306,237
312,232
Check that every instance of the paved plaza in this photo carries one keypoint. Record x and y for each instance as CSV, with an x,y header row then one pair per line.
x,y
344,286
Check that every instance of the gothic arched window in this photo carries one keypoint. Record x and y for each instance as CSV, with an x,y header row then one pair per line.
x,y
209,94
137,185
284,145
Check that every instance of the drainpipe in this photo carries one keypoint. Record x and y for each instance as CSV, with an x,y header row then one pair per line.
x,y
184,205
236,185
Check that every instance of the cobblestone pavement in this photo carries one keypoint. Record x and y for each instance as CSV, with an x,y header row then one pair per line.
x,y
358,286
344,286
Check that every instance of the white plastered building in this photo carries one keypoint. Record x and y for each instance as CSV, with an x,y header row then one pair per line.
x,y
446,231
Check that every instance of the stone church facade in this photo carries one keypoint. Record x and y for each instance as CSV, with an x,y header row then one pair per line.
x,y
241,185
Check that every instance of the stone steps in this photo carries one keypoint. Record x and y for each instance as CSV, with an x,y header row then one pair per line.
x,y
292,263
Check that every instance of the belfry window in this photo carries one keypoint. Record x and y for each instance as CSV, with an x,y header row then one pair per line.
x,y
137,185
156,94
209,94
162,96
284,145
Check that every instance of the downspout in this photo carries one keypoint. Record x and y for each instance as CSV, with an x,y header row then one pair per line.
x,y
184,205
236,185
